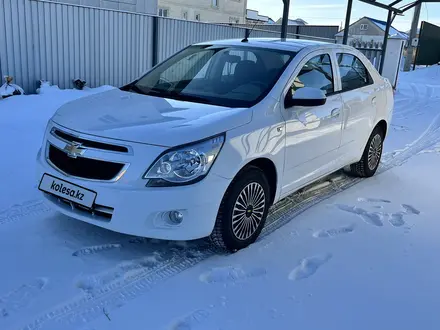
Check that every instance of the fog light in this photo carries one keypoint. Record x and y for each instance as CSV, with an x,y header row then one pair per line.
x,y
176,217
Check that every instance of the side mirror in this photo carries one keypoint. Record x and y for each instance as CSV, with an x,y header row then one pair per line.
x,y
306,97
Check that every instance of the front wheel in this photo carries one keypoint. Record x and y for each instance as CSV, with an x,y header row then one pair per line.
x,y
370,160
243,211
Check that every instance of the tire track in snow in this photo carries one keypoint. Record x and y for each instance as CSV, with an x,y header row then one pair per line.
x,y
417,100
230,274
115,293
405,99
86,307
430,137
18,211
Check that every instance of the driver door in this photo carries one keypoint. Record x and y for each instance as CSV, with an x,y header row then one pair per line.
x,y
313,134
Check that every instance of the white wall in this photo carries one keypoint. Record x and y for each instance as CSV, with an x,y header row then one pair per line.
x,y
226,10
139,6
253,16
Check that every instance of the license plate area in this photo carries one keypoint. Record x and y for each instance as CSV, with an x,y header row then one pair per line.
x,y
66,190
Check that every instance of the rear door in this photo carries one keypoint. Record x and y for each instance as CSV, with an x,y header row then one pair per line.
x,y
358,95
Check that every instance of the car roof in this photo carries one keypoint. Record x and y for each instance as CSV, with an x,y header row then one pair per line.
x,y
276,43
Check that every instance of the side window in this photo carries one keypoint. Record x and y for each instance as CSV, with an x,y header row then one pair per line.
x,y
317,73
354,74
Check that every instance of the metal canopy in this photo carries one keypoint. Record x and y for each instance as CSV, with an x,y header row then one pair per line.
x,y
392,12
392,6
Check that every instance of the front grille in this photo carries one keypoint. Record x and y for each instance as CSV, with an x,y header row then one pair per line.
x,y
88,143
81,167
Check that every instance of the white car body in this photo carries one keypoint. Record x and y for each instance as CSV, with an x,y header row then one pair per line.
x,y
302,144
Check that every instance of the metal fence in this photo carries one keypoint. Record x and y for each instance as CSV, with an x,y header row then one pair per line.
x,y
322,31
374,55
60,42
371,50
173,34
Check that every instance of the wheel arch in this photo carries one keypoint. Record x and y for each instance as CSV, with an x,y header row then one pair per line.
x,y
383,125
267,166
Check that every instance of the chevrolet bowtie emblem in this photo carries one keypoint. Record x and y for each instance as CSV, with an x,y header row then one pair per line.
x,y
74,149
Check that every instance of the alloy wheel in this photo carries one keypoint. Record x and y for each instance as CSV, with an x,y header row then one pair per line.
x,y
248,211
374,152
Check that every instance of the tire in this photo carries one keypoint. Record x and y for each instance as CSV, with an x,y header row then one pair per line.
x,y
373,151
233,236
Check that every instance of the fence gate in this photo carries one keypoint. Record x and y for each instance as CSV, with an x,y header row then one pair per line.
x,y
428,51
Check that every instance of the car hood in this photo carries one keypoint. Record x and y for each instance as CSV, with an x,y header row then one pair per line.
x,y
146,119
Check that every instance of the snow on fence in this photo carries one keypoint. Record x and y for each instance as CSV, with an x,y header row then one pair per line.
x,y
59,42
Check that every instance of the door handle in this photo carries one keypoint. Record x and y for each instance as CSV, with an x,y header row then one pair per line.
x,y
335,112
373,101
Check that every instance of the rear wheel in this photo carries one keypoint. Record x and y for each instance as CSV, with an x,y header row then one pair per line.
x,y
370,160
243,211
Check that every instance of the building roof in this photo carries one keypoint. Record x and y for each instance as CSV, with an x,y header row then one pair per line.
x,y
297,21
252,14
394,33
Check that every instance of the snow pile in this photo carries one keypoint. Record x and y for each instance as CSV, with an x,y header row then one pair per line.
x,y
33,111
9,89
423,75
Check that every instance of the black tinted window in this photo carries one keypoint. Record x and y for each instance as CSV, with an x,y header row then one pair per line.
x,y
316,73
353,73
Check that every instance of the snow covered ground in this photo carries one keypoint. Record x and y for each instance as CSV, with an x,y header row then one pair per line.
x,y
344,253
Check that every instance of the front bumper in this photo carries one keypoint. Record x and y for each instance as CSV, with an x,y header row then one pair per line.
x,y
132,208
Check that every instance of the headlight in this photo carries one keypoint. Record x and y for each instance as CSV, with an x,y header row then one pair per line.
x,y
186,164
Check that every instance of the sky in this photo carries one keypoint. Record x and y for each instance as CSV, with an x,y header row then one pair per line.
x,y
332,12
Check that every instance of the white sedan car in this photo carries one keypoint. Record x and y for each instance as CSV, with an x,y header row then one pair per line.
x,y
205,142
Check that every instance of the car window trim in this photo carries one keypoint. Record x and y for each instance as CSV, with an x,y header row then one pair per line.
x,y
333,74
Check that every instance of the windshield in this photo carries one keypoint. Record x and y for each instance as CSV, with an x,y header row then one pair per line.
x,y
231,76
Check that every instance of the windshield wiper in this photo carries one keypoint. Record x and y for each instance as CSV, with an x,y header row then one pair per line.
x,y
192,98
167,94
177,96
136,89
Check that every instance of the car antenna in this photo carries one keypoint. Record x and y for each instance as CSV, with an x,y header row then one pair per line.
x,y
248,33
